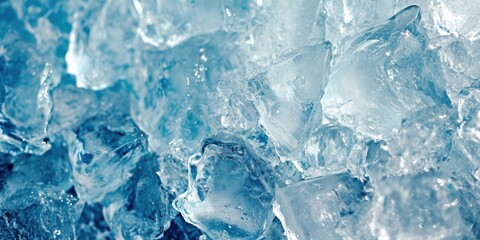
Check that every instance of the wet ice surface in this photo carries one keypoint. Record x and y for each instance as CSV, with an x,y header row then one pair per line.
x,y
153,119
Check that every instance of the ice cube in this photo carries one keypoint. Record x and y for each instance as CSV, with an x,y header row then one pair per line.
x,y
101,43
25,81
140,209
313,209
230,191
47,22
287,96
327,151
460,64
457,18
103,151
386,73
176,100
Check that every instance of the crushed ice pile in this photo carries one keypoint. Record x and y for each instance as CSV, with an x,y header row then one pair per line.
x,y
239,119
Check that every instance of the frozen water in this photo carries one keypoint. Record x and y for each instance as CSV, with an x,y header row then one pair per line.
x,y
181,230
24,88
313,209
460,60
140,209
287,95
166,24
91,223
457,18
230,191
387,73
33,213
469,110
315,119
432,128
283,27
103,151
327,151
95,60
415,207
176,99
469,132
52,168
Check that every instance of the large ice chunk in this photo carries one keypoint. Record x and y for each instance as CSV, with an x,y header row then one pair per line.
x,y
287,96
386,73
176,100
102,42
313,209
140,209
24,89
230,191
103,151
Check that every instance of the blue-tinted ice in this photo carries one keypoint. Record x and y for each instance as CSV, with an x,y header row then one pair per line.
x,y
315,207
230,191
386,73
250,119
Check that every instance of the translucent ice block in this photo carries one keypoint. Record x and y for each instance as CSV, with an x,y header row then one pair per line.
x,y
386,73
287,96
313,209
230,191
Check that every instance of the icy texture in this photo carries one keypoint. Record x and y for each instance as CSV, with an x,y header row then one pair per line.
x,y
230,191
282,27
315,119
416,207
52,168
387,73
176,99
181,230
24,89
314,208
140,208
103,151
286,96
40,214
327,151
95,60
431,128
165,25
469,111
91,223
